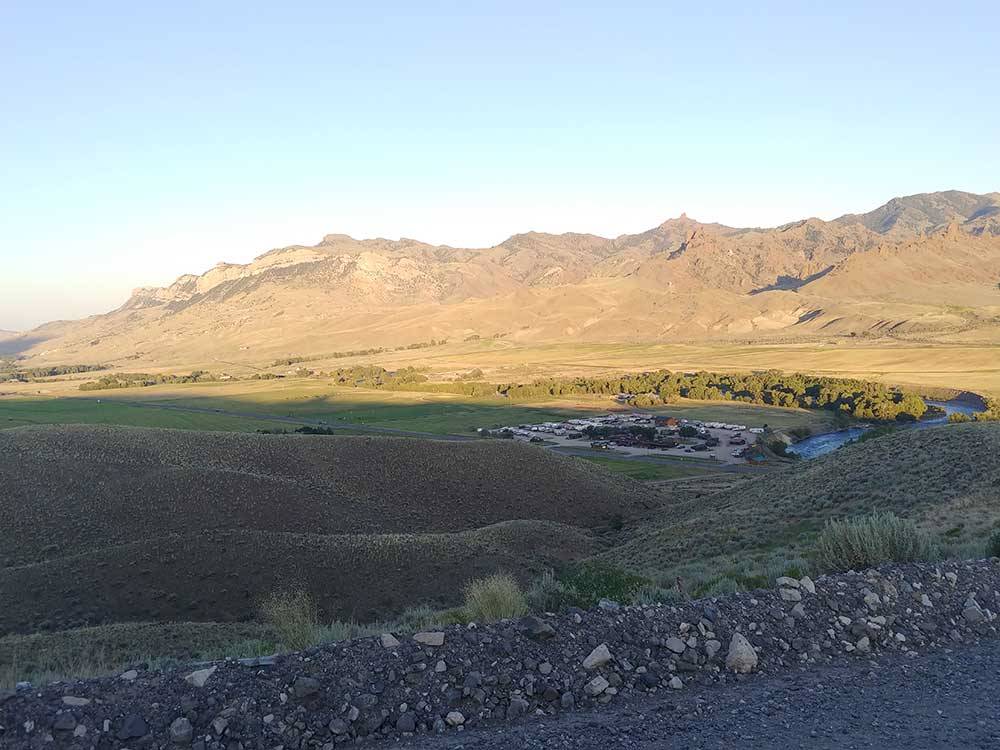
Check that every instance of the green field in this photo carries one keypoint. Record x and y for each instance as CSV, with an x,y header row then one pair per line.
x,y
245,405
35,411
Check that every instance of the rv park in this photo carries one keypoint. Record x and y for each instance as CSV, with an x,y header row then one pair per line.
x,y
641,434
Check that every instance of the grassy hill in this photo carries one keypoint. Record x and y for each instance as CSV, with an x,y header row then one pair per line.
x,y
947,479
174,537
69,490
223,575
114,524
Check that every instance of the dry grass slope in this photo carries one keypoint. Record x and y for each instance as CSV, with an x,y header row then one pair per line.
x,y
69,490
107,525
946,479
224,575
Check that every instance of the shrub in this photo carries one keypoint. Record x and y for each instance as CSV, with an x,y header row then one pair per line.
x,y
294,617
497,597
866,541
595,581
993,545
549,594
652,594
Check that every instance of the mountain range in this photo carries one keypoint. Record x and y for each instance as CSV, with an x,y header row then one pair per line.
x,y
925,265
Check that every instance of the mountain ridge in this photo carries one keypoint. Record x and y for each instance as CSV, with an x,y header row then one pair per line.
x,y
682,278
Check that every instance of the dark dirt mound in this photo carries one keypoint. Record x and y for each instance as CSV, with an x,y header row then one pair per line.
x,y
68,490
492,675
222,575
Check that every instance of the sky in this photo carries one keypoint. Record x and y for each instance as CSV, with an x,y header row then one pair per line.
x,y
140,141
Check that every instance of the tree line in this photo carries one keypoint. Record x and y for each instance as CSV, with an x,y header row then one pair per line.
x,y
860,399
990,414
142,380
34,373
288,361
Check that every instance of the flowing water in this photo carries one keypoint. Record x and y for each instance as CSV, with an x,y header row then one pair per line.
x,y
819,445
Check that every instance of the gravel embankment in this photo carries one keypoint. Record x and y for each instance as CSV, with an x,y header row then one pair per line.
x,y
940,699
594,669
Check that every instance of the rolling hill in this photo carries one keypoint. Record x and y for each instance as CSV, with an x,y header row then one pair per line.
x,y
922,265
128,524
945,478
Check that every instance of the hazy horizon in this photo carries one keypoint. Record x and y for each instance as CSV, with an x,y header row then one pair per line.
x,y
148,143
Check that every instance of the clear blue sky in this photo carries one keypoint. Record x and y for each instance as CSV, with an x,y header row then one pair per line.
x,y
142,140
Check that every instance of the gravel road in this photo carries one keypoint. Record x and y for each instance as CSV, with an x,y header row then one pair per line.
x,y
945,699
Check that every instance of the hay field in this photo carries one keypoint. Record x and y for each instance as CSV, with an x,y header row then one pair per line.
x,y
249,405
959,365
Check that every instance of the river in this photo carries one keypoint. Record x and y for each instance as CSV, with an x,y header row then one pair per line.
x,y
819,445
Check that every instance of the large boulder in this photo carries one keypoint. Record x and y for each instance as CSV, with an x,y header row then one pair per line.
x,y
741,657
431,638
199,677
535,628
598,657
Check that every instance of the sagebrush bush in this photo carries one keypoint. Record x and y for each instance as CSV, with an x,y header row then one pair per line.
x,y
293,616
585,584
593,581
874,539
549,594
497,597
993,545
653,594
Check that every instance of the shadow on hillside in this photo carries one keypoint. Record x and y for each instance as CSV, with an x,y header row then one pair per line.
x,y
337,411
19,344
433,415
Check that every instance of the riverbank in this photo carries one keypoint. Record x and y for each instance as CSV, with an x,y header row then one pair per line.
x,y
819,445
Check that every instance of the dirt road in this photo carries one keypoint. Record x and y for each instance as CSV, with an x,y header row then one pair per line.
x,y
939,700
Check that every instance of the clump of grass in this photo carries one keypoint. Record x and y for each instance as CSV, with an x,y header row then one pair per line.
x,y
653,594
294,617
585,584
993,545
496,597
593,581
874,539
548,594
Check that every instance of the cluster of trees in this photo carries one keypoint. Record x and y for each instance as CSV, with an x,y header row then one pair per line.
x,y
856,398
607,431
143,380
372,376
303,430
33,373
990,414
288,361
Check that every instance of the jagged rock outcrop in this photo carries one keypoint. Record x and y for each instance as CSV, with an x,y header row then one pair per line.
x,y
911,266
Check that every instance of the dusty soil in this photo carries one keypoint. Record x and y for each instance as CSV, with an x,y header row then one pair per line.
x,y
602,668
942,699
